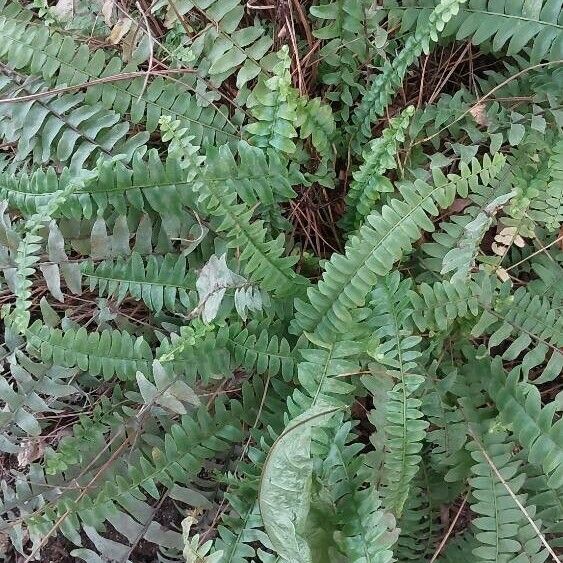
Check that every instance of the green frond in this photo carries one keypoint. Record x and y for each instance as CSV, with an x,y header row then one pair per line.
x,y
368,533
30,390
397,352
150,184
548,209
448,428
222,48
364,531
29,47
384,86
254,349
342,25
27,248
438,305
369,180
273,103
263,259
66,129
106,353
320,375
501,528
177,461
158,282
419,522
520,406
380,242
530,323
549,503
503,24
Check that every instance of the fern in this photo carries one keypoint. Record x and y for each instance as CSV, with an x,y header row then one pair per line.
x,y
273,103
519,404
536,325
507,26
29,47
501,526
398,351
384,86
370,181
380,242
281,281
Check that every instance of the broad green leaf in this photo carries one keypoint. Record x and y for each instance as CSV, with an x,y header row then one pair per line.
x,y
285,486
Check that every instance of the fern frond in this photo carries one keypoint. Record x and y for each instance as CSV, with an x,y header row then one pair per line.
x,y
369,181
364,531
379,243
502,529
438,305
381,90
534,324
29,47
159,283
26,257
273,103
106,353
253,348
367,533
502,24
398,351
520,405
221,48
32,389
263,259
548,209
342,25
66,129
188,444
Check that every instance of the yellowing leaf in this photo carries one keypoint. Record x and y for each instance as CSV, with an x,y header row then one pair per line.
x,y
119,30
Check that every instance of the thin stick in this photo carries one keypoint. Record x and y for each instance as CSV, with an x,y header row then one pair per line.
x,y
113,78
542,249
151,47
450,529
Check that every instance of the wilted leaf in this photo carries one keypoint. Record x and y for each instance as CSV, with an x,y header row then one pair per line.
x,y
119,30
99,240
52,277
30,451
479,114
285,487
56,244
108,9
63,9
213,281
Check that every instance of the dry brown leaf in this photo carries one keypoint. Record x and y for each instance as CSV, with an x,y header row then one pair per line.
x,y
502,274
505,238
479,114
108,9
31,450
119,30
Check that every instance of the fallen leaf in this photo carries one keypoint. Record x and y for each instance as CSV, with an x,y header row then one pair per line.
x,y
30,451
119,30
108,8
479,114
502,274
